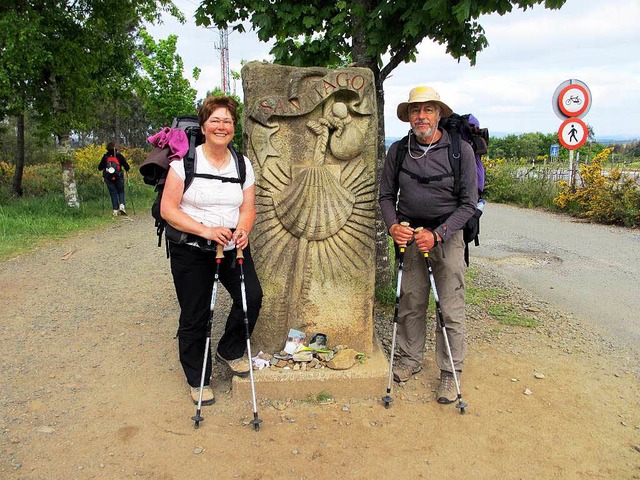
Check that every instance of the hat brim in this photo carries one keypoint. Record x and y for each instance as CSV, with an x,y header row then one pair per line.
x,y
403,109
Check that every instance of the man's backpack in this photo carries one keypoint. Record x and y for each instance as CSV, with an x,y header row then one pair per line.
x,y
155,173
112,169
460,129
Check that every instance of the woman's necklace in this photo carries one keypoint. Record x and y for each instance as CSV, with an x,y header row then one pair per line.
x,y
214,162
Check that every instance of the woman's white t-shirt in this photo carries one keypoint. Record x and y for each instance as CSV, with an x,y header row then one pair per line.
x,y
213,202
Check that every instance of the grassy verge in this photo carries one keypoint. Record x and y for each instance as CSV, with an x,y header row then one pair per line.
x,y
28,222
494,301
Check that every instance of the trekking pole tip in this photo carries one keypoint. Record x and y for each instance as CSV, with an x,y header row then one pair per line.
x,y
197,418
256,423
387,401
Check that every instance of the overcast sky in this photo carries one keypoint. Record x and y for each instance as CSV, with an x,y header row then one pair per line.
x,y
511,86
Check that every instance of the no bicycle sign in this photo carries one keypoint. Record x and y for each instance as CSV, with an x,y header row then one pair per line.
x,y
571,99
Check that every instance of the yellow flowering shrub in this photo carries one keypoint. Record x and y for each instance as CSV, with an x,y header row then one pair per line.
x,y
45,178
6,170
606,198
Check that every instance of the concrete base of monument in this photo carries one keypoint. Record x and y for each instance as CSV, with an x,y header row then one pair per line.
x,y
365,379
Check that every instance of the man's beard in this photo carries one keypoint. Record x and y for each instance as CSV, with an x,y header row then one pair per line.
x,y
424,137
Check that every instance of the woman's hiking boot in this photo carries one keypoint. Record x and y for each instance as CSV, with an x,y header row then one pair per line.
x,y
239,366
207,395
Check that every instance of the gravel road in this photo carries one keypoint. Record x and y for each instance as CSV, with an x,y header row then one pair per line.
x,y
590,270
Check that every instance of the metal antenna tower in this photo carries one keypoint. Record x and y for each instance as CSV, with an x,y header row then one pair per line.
x,y
224,61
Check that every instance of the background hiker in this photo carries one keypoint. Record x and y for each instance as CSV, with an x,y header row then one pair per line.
x,y
111,165
421,191
216,209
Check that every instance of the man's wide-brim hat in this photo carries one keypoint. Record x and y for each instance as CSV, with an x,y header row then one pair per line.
x,y
420,95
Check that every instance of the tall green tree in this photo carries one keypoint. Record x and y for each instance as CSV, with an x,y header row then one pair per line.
x,y
61,58
325,32
164,91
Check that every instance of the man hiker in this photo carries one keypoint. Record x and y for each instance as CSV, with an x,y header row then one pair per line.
x,y
419,189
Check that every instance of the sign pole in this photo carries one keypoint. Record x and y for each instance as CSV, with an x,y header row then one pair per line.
x,y
571,171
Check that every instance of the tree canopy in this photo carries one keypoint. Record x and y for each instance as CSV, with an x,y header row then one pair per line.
x,y
59,58
323,32
165,92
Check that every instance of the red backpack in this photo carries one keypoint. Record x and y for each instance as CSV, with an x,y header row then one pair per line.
x,y
112,169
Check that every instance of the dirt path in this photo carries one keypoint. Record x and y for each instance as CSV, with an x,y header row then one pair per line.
x,y
91,388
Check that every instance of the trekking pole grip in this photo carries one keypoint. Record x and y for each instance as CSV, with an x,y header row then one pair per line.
x,y
219,251
418,230
240,255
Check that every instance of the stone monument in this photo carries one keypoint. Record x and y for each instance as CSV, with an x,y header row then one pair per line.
x,y
311,135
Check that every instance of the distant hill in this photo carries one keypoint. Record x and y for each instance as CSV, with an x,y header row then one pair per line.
x,y
604,139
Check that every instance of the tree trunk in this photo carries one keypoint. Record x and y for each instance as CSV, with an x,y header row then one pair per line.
x,y
384,275
16,186
116,134
68,172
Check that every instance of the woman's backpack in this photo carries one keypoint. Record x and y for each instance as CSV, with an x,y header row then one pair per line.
x,y
112,169
155,168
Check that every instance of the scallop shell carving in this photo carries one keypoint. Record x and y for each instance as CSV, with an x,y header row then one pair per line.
x,y
315,206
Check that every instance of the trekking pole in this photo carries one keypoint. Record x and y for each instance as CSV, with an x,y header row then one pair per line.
x,y
104,189
461,405
133,207
256,421
197,418
387,399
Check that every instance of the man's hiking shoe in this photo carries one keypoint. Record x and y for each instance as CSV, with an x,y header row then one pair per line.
x,y
122,210
402,372
207,395
446,392
115,213
239,366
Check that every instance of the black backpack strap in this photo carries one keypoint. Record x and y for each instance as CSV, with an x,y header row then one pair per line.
x,y
241,166
190,162
434,178
401,152
455,158
190,167
217,177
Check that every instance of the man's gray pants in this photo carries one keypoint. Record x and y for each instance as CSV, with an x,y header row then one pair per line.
x,y
448,271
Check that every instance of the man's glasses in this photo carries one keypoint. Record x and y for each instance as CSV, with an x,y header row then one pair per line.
x,y
429,110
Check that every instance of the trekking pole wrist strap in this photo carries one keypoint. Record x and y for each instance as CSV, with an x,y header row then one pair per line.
x,y
435,237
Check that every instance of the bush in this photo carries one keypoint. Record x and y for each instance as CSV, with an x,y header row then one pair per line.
x,y
612,198
511,183
46,178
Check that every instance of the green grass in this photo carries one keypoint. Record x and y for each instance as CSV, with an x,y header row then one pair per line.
x,y
508,315
477,295
503,313
29,221
320,398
